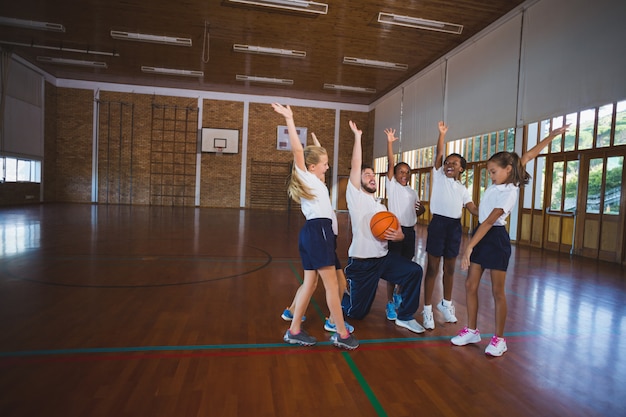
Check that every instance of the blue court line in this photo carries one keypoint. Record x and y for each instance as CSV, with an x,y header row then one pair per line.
x,y
126,349
80,351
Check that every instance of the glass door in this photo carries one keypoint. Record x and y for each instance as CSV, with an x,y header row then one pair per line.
x,y
562,185
600,225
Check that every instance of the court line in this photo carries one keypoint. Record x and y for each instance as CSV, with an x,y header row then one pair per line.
x,y
369,393
24,358
232,350
235,346
265,263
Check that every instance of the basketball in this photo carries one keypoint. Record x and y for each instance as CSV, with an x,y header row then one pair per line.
x,y
382,221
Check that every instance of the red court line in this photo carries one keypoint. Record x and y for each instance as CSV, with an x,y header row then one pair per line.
x,y
296,350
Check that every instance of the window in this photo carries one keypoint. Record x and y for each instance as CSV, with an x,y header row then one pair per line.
x,y
612,194
605,118
594,185
556,145
620,124
570,135
20,170
571,186
557,186
585,131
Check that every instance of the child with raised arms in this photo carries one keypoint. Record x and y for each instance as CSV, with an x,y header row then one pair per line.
x,y
316,240
490,246
448,197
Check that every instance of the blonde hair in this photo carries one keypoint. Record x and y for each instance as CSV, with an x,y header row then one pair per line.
x,y
518,175
296,189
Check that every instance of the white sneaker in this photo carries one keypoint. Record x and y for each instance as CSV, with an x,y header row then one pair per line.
x,y
465,337
496,347
448,312
412,325
429,320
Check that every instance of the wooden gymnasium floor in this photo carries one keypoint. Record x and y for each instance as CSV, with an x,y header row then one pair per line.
x,y
153,311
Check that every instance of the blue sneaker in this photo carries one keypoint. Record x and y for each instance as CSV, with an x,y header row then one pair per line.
x,y
397,300
332,327
391,311
287,316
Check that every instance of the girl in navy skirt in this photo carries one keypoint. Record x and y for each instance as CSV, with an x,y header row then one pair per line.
x,y
490,246
317,237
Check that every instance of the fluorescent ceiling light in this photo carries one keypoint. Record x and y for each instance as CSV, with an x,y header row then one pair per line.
x,y
31,24
252,78
172,71
297,5
373,63
60,48
268,51
145,37
419,23
77,62
349,88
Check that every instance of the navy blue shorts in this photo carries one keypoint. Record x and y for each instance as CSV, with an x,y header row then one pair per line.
x,y
405,247
317,244
444,237
494,249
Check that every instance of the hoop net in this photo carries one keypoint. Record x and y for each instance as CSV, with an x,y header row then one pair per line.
x,y
219,151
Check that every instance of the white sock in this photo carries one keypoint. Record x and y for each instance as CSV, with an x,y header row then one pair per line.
x,y
428,308
446,303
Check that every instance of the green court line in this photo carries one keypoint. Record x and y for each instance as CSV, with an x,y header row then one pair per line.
x,y
364,385
355,370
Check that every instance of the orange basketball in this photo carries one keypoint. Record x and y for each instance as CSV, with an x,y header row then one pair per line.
x,y
382,221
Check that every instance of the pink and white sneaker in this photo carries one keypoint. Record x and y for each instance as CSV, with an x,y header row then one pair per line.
x,y
496,347
465,337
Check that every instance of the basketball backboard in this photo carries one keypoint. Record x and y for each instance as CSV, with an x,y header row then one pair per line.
x,y
216,140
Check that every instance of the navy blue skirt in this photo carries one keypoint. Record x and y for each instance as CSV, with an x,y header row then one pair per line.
x,y
494,249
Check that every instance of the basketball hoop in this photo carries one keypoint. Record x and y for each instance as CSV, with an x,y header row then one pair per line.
x,y
219,151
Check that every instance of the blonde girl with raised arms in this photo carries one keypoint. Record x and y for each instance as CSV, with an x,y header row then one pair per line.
x,y
329,323
317,237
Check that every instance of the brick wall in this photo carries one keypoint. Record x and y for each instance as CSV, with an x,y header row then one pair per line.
x,y
14,193
74,141
130,160
220,175
49,169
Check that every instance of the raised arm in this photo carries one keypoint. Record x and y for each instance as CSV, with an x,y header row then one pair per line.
x,y
357,157
391,138
294,140
315,141
535,150
443,129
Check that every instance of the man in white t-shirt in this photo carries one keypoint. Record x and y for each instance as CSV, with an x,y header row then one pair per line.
x,y
369,259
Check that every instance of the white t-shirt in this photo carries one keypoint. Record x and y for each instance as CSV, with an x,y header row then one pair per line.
x,y
448,195
502,196
362,206
319,207
401,201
